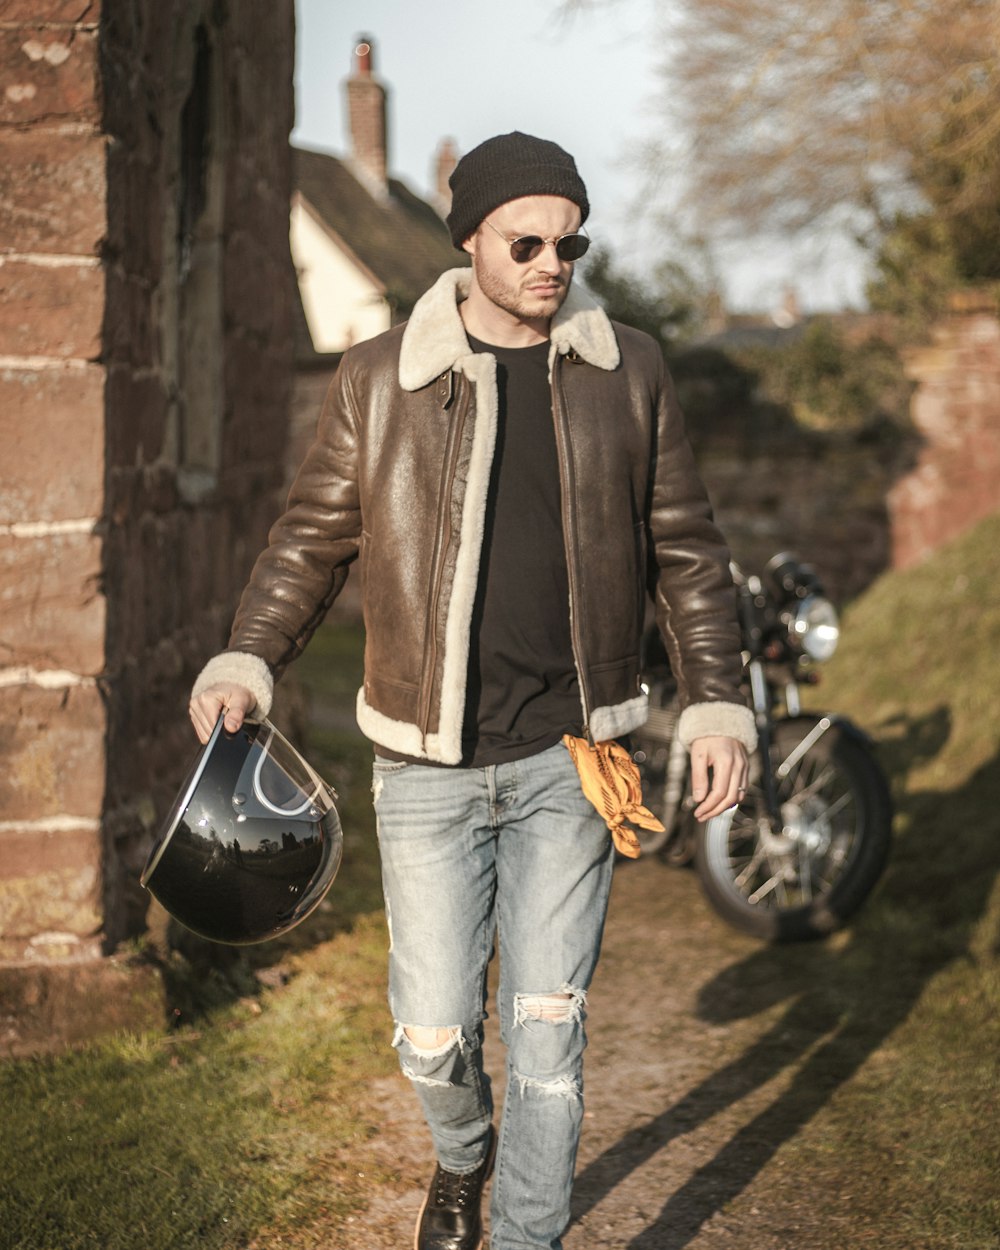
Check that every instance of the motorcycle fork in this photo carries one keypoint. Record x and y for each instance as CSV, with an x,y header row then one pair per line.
x,y
762,715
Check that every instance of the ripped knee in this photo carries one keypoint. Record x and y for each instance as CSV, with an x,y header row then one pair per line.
x,y
432,1055
546,1061
430,1040
564,1006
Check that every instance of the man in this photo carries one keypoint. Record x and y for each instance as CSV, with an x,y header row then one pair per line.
x,y
512,469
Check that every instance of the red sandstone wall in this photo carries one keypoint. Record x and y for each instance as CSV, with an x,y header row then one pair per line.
x,y
53,209
121,556
956,410
177,555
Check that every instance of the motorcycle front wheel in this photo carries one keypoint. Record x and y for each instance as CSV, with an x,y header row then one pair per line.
x,y
805,878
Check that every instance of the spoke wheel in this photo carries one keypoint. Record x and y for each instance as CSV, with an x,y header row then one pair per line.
x,y
804,876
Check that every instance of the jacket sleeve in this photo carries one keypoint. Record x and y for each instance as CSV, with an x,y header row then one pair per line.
x,y
305,564
693,588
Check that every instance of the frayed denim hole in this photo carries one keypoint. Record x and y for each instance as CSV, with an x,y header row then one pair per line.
x,y
565,1006
442,1065
567,1087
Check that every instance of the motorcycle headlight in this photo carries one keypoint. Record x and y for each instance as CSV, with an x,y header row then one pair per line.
x,y
815,627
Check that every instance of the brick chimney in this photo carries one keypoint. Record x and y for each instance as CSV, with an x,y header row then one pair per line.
x,y
445,160
366,108
444,163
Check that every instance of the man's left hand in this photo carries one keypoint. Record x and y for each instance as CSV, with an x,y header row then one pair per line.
x,y
727,759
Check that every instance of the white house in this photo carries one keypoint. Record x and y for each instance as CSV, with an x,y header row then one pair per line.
x,y
364,246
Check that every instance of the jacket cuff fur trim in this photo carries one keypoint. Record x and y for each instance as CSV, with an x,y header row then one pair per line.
x,y
239,668
711,720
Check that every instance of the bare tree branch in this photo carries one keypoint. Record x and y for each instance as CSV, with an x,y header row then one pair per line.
x,y
797,110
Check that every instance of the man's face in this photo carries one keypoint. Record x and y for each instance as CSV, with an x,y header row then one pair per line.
x,y
537,288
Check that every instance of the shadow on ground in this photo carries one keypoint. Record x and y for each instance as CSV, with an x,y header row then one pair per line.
x,y
842,1004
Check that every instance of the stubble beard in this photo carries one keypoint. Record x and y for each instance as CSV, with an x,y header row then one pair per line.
x,y
516,299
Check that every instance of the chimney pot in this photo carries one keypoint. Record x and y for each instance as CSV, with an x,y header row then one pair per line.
x,y
366,110
363,57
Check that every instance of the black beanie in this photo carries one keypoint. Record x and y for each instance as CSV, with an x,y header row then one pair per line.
x,y
505,168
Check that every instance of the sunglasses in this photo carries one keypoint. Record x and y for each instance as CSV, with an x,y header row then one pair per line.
x,y
568,246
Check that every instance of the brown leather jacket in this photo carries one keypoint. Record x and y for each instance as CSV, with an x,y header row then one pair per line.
x,y
398,476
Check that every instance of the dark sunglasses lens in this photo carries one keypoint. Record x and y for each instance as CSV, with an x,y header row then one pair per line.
x,y
523,250
569,247
572,246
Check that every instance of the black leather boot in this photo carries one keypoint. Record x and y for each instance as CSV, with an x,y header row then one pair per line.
x,y
451,1217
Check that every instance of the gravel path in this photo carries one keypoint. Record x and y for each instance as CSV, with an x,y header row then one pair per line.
x,y
697,1074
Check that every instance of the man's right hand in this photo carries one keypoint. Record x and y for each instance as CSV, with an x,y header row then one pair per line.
x,y
204,709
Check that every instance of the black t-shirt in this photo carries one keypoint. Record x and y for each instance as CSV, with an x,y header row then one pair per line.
x,y
523,693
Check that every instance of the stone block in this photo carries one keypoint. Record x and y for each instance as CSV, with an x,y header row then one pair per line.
x,y
137,199
258,284
49,75
50,882
129,326
257,384
52,752
52,433
137,411
47,1008
52,193
51,602
50,310
54,12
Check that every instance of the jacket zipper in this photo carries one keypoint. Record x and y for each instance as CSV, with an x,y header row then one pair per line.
x,y
455,427
566,484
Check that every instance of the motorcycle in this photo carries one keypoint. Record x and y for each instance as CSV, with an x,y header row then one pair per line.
x,y
804,848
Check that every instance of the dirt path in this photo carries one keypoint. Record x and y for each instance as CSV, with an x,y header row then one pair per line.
x,y
692,1087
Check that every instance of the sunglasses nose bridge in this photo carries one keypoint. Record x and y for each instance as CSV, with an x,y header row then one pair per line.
x,y
530,247
548,252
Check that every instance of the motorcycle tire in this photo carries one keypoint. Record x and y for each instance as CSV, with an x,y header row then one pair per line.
x,y
805,880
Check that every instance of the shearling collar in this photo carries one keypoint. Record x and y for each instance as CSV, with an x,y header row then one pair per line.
x,y
434,339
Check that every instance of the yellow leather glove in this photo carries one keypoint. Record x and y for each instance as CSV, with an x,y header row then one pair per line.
x,y
610,779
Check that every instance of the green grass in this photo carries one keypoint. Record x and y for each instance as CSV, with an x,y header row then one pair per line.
x,y
915,986
235,1124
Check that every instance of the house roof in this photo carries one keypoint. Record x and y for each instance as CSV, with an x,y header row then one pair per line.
x,y
400,239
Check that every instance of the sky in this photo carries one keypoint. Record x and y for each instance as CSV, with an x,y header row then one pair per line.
x,y
474,69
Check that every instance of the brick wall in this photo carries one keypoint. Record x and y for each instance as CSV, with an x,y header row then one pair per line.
x,y
855,503
823,500
53,199
145,367
956,411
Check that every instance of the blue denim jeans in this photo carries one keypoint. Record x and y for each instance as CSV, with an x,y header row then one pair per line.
x,y
513,851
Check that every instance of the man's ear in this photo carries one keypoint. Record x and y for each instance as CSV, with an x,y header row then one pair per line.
x,y
469,244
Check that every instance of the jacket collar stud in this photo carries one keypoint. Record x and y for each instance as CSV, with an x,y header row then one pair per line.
x,y
446,389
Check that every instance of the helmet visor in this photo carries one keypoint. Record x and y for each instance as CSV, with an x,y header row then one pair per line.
x,y
276,781
252,842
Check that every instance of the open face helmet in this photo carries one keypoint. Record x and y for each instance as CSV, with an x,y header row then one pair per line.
x,y
252,842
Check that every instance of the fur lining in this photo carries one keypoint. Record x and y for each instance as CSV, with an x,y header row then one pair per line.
x,y
434,339
445,747
481,370
239,668
711,720
397,735
582,326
